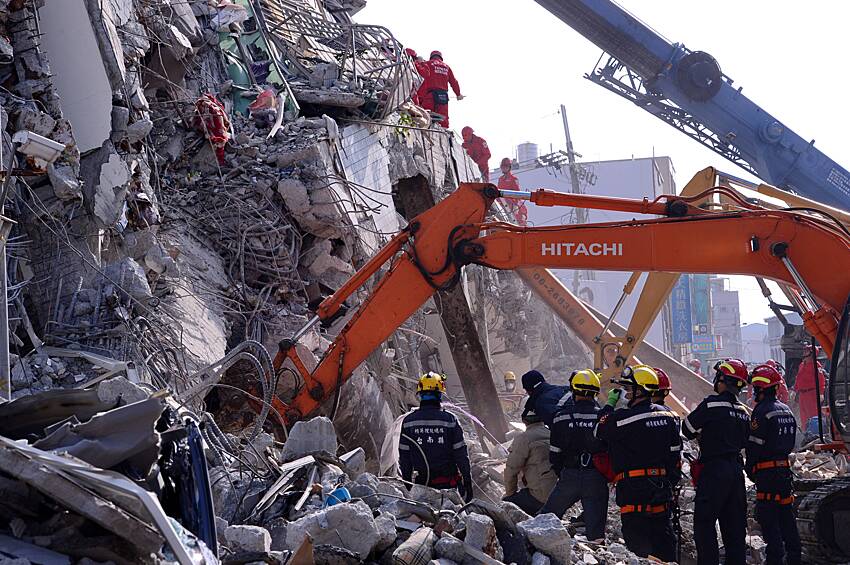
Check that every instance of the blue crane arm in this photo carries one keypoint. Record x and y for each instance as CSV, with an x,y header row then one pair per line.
x,y
687,90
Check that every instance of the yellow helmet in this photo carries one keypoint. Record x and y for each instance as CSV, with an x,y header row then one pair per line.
x,y
431,382
585,380
510,376
642,376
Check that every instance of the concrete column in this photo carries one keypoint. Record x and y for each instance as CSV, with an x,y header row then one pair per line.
x,y
470,359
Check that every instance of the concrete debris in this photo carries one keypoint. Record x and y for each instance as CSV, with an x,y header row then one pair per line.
x,y
248,538
450,548
481,534
549,536
308,437
350,526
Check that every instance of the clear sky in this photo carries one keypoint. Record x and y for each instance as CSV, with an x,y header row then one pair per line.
x,y
516,63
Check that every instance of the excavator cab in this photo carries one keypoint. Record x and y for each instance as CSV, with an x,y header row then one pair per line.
x,y
838,396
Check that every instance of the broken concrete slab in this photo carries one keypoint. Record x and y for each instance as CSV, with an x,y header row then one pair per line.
x,y
333,98
310,436
66,185
348,525
481,534
549,536
450,548
248,539
387,533
119,390
130,277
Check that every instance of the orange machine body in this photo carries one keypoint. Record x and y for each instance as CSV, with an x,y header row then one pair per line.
x,y
430,252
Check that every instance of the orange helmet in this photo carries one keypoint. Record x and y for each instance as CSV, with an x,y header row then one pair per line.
x,y
732,369
765,376
663,380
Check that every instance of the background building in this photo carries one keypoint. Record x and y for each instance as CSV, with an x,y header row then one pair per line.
x,y
726,319
630,178
755,344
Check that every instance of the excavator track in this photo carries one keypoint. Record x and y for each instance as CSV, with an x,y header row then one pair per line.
x,y
823,519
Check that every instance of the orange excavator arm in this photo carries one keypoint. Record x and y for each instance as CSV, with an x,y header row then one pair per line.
x,y
790,247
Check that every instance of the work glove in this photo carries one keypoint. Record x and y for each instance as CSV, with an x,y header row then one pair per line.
x,y
466,492
614,396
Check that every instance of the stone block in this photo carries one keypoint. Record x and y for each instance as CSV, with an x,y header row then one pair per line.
x,y
306,437
549,536
481,534
248,538
450,548
348,525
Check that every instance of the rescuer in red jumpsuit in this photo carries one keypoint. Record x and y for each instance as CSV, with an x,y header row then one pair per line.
x,y
807,393
434,95
478,151
509,182
422,68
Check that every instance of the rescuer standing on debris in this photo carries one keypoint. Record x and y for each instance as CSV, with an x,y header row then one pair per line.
x,y
543,398
807,392
773,432
432,449
721,424
421,68
438,76
643,443
478,151
509,182
574,454
529,458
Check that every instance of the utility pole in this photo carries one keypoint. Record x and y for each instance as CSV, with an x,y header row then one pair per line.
x,y
580,213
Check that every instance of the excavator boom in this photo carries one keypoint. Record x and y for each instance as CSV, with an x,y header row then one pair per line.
x,y
790,247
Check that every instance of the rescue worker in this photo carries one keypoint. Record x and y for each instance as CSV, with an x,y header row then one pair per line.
x,y
543,397
664,388
421,68
509,182
477,150
528,463
510,381
773,432
438,77
782,394
432,449
643,443
721,424
574,453
807,392
695,365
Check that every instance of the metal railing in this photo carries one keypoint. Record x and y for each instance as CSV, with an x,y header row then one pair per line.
x,y
369,61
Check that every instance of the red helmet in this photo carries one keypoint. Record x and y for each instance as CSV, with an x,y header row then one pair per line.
x,y
505,162
436,53
734,369
765,376
663,380
771,363
466,132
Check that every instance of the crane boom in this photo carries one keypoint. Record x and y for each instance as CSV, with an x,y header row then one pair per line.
x,y
687,90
